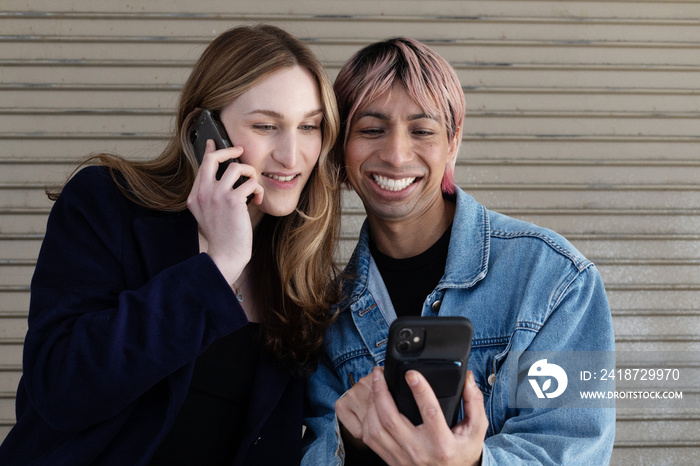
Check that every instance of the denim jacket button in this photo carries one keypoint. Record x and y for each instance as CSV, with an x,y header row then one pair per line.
x,y
436,306
492,379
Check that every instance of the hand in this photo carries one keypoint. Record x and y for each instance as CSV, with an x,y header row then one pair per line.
x,y
351,409
221,211
394,438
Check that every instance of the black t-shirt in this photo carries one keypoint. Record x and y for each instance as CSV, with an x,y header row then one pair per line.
x,y
409,281
210,425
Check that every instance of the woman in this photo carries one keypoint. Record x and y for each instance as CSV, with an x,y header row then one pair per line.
x,y
170,321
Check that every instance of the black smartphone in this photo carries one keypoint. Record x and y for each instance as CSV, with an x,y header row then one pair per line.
x,y
207,127
438,348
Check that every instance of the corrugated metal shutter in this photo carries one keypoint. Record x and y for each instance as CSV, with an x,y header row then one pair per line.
x,y
582,116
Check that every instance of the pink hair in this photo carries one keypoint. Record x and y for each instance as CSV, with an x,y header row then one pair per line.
x,y
448,181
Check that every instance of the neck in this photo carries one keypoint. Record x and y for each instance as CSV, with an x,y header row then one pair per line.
x,y
256,215
409,238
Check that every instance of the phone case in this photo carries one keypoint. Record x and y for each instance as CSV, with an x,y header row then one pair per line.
x,y
437,347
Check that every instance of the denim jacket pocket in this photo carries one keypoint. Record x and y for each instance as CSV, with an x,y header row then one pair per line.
x,y
485,361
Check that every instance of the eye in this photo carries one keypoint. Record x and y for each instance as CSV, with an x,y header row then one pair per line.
x,y
309,128
264,128
423,132
370,131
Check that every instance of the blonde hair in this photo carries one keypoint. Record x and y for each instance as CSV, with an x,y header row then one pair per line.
x,y
296,250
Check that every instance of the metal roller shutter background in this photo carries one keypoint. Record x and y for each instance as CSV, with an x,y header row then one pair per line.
x,y
581,116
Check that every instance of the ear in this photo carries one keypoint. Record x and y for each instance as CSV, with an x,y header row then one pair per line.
x,y
454,148
448,182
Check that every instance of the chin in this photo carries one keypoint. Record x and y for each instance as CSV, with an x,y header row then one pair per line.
x,y
278,211
280,204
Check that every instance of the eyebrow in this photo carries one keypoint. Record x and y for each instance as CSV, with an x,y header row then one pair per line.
x,y
384,116
273,114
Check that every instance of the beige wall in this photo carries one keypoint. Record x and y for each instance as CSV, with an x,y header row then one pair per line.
x,y
582,116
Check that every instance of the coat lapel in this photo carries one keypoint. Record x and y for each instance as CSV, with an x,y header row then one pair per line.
x,y
271,380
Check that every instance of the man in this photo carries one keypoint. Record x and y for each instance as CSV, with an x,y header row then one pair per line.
x,y
427,248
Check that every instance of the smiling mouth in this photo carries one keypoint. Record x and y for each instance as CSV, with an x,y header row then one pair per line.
x,y
284,179
390,184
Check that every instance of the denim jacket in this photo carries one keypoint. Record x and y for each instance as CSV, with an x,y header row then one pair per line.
x,y
525,288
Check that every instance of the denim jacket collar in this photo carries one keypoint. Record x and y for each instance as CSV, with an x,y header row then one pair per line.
x,y
467,259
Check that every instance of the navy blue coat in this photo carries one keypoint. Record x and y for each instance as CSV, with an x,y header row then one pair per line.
x,y
122,303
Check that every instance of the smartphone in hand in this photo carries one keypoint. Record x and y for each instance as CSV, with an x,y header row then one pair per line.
x,y
207,127
438,348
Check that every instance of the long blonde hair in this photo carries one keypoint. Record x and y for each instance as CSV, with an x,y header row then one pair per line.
x,y
296,250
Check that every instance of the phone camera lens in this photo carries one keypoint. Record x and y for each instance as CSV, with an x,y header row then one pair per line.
x,y
403,346
405,333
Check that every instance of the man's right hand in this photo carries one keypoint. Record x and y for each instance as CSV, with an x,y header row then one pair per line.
x,y
371,419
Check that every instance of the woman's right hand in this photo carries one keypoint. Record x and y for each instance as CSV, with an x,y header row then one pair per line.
x,y
222,212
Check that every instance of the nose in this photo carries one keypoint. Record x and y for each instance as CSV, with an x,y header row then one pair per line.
x,y
397,149
286,150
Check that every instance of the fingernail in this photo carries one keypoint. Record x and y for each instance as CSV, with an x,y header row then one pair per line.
x,y
470,378
376,374
412,378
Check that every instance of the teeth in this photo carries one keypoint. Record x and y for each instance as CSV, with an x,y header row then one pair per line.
x,y
390,184
281,178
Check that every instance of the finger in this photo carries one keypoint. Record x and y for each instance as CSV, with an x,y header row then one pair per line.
x,y
427,402
209,148
351,408
255,190
221,155
386,410
348,417
193,198
386,406
213,158
209,165
475,422
384,426
234,172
